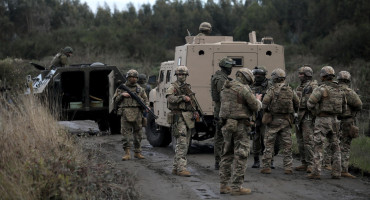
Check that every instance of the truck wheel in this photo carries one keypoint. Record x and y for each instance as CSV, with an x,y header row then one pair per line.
x,y
103,125
114,124
158,136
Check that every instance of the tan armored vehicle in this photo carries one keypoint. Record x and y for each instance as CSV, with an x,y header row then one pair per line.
x,y
201,54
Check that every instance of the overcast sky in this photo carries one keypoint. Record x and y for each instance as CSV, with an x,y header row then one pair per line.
x,y
120,4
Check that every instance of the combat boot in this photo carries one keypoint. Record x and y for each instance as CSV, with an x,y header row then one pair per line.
x,y
240,191
185,173
266,171
301,168
139,156
272,164
224,189
348,175
256,163
288,171
314,176
328,167
127,155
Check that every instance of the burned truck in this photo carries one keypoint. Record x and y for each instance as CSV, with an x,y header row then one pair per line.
x,y
201,54
80,92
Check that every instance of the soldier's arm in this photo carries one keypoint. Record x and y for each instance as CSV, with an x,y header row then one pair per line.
x,y
171,97
267,100
117,96
354,101
315,97
253,103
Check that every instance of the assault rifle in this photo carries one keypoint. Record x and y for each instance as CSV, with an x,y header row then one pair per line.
x,y
137,99
197,108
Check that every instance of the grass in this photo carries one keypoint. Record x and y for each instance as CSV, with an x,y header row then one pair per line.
x,y
360,149
40,160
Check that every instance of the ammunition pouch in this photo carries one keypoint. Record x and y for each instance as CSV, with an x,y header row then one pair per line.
x,y
267,118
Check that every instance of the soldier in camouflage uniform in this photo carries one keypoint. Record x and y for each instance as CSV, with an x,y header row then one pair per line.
x,y
61,59
327,102
281,102
181,118
238,104
205,29
131,114
260,86
217,81
304,121
142,81
347,125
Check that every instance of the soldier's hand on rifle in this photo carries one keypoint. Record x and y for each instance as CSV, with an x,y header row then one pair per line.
x,y
259,96
186,98
125,94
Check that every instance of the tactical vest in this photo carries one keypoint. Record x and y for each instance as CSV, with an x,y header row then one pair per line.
x,y
233,105
131,102
218,76
183,106
304,92
282,101
332,99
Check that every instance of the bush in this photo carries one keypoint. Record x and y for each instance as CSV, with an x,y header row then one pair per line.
x,y
360,149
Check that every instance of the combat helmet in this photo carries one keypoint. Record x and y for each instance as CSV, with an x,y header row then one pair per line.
x,y
247,73
67,49
181,70
142,78
259,70
326,71
306,70
344,75
132,73
226,63
205,26
278,73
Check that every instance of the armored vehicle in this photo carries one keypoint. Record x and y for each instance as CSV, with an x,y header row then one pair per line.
x,y
80,92
201,54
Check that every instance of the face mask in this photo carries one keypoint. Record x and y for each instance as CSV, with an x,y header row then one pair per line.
x,y
181,78
259,79
227,70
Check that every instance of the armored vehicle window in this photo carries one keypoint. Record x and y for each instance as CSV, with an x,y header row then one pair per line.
x,y
161,76
179,62
168,76
238,61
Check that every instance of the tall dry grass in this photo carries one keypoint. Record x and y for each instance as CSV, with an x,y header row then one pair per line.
x,y
40,160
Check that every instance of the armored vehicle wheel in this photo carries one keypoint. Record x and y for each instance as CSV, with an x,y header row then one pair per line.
x,y
158,136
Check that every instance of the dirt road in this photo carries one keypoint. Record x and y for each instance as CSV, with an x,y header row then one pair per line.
x,y
155,180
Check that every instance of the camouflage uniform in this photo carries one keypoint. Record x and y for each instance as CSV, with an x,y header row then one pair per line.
x,y
142,81
278,95
305,123
182,122
131,116
347,126
238,104
61,59
327,101
205,29
217,81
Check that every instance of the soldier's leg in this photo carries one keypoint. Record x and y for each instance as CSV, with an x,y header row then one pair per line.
x,y
307,129
327,160
227,156
138,134
286,145
257,146
345,145
180,154
126,131
218,141
335,147
319,134
241,152
270,137
300,142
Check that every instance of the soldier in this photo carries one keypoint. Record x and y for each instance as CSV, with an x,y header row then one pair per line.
x,y
181,118
326,101
304,122
217,81
347,126
205,29
280,102
142,81
238,104
131,114
260,86
61,59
